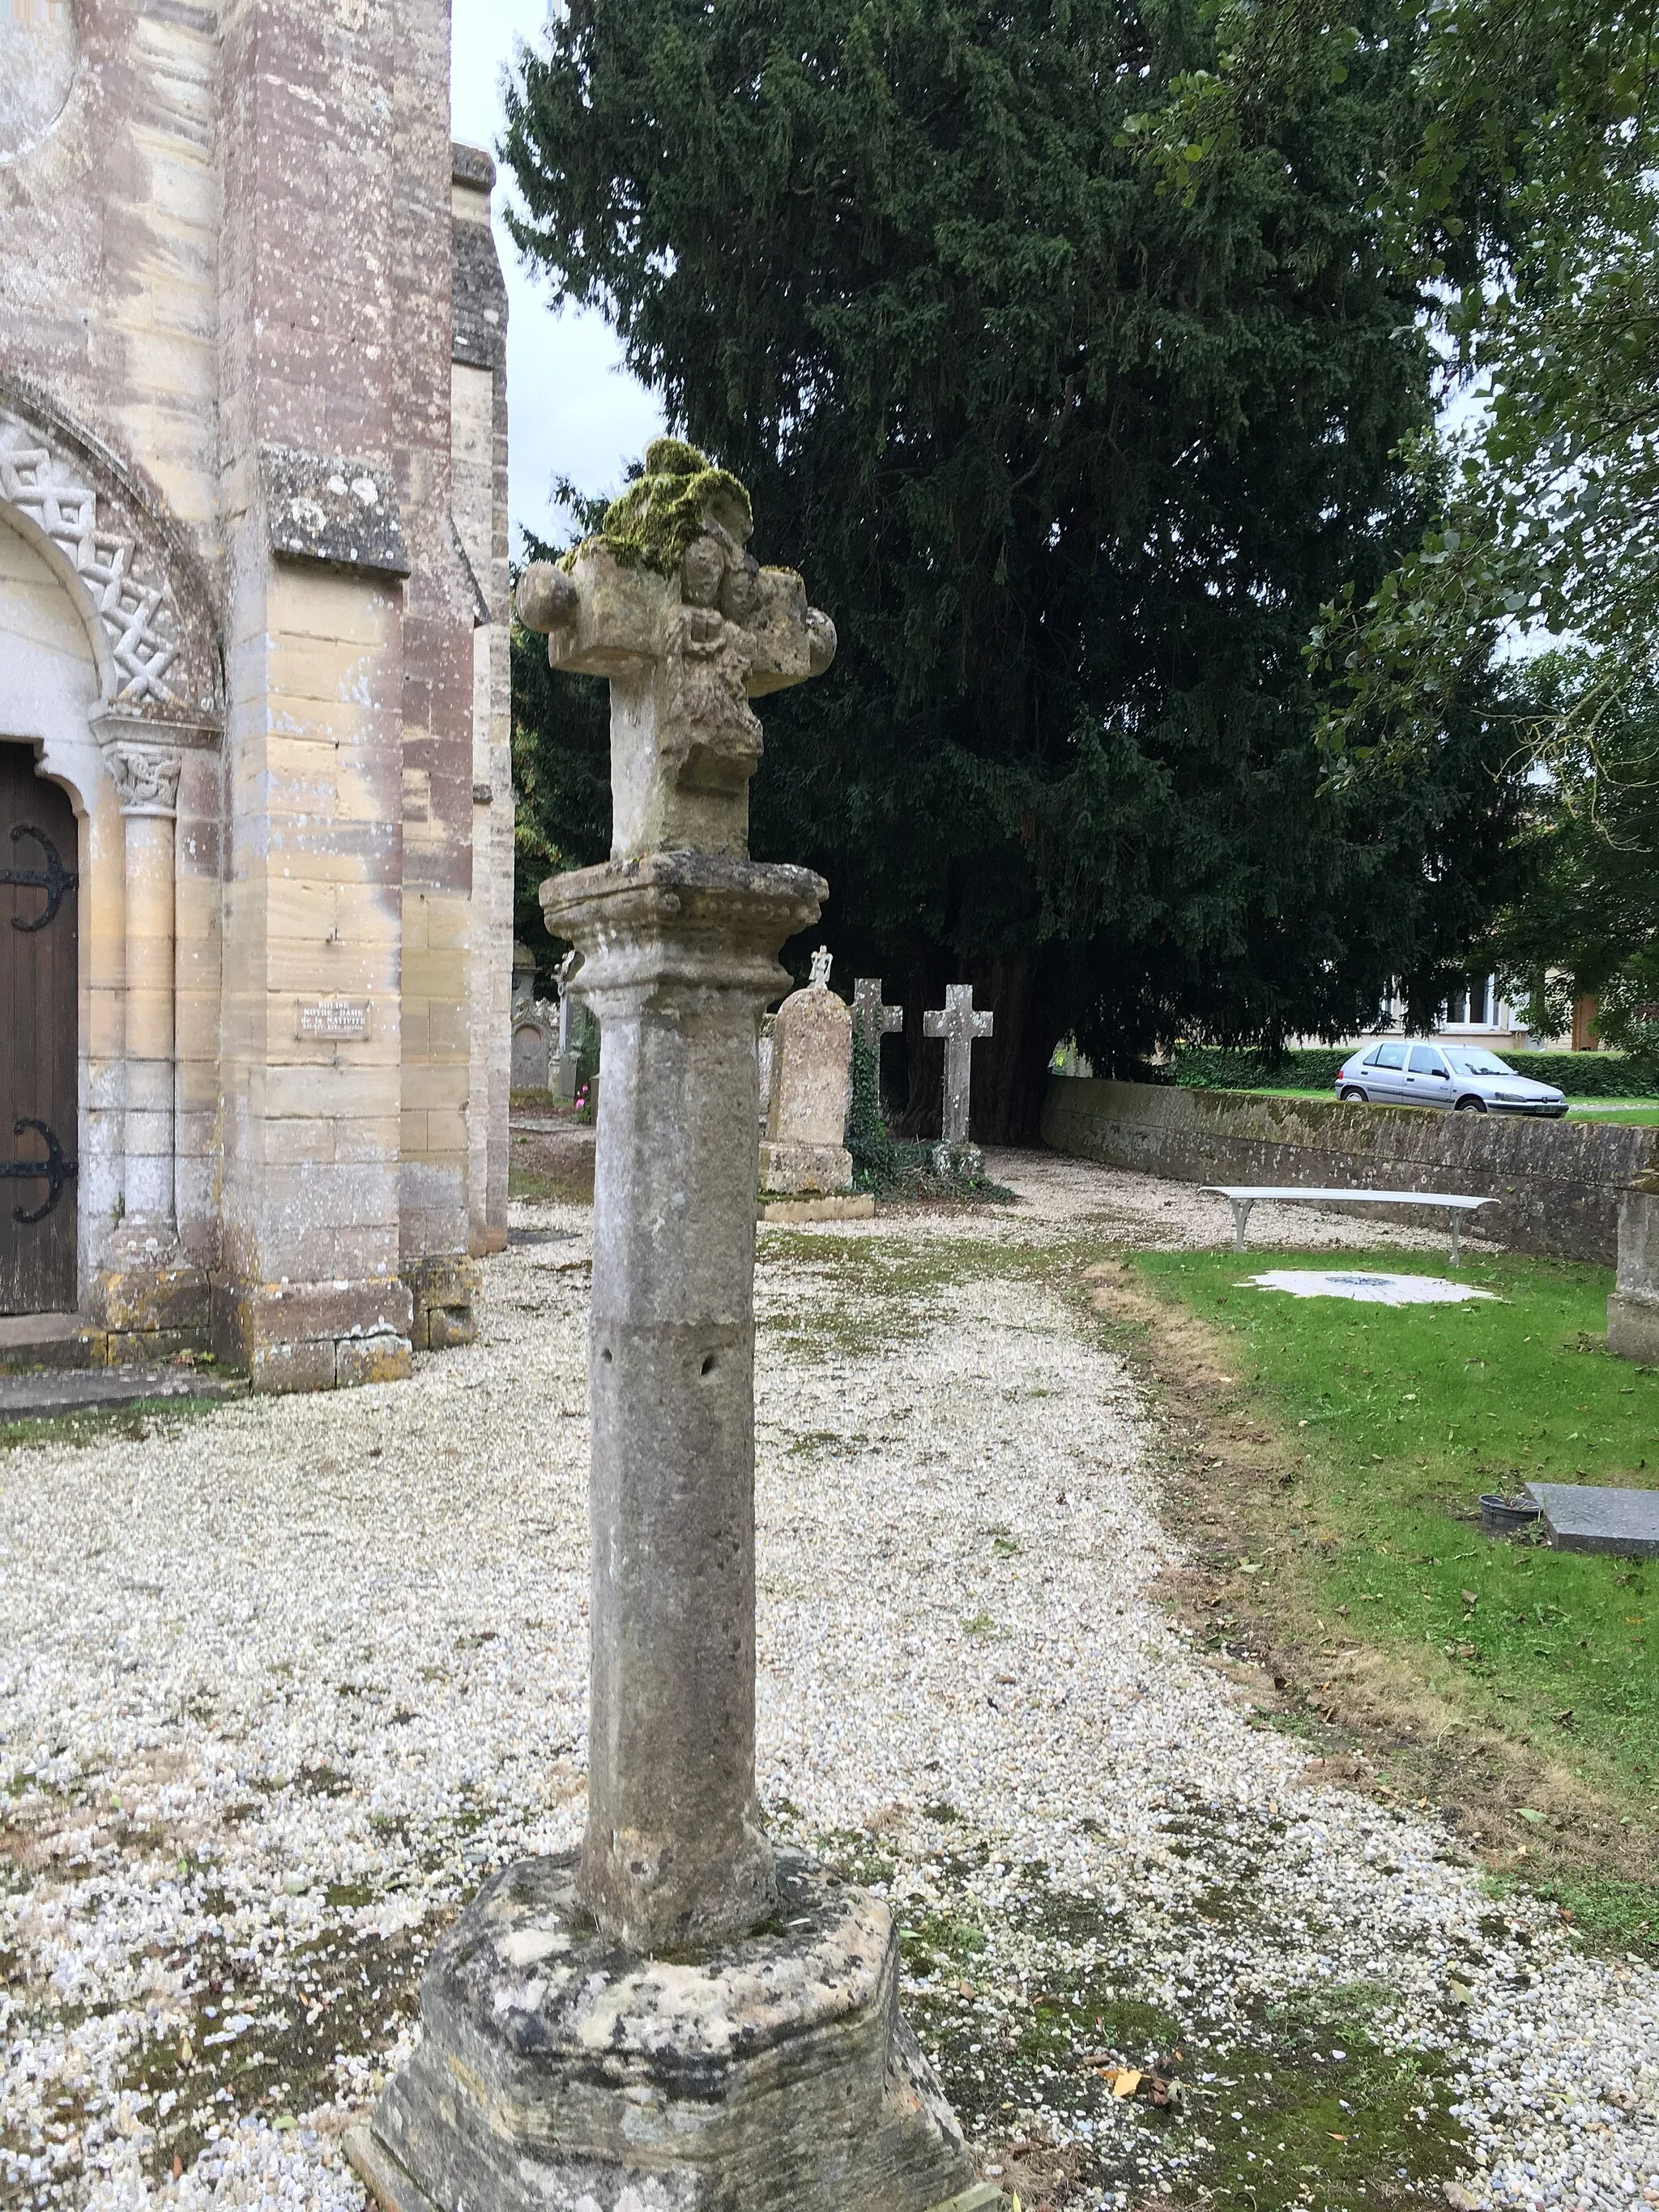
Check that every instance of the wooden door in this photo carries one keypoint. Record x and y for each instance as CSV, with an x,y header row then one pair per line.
x,y
39,888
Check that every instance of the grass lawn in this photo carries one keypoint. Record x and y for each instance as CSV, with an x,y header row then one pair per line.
x,y
1402,1417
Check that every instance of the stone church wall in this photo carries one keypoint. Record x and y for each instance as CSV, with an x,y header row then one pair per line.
x,y
253,471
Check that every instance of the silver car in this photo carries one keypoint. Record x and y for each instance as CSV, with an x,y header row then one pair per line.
x,y
1407,1071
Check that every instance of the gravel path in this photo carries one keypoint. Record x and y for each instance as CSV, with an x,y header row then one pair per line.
x,y
277,1685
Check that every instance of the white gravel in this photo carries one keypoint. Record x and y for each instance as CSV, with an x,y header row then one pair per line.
x,y
278,1684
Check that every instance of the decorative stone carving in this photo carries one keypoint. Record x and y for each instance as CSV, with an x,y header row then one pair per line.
x,y
162,661
37,50
146,778
689,626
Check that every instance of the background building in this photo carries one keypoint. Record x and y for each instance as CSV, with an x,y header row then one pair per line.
x,y
255,928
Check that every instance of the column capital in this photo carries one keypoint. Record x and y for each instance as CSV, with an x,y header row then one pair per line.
x,y
145,776
671,924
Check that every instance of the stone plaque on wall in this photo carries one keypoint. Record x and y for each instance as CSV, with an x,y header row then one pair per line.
x,y
37,68
333,1021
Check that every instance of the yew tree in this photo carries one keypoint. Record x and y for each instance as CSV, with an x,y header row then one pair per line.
x,y
1074,450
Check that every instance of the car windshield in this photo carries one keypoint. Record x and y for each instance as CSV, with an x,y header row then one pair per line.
x,y
1477,1063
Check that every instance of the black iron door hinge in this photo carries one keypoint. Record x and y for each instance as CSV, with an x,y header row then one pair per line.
x,y
54,879
55,1169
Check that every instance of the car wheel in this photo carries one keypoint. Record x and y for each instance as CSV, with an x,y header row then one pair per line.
x,y
1353,1096
1471,1105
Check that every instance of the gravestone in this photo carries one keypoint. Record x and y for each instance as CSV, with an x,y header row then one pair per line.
x,y
805,1152
1585,1516
573,1035
958,1025
767,1060
529,1054
1633,1308
872,1021
678,2019
532,1037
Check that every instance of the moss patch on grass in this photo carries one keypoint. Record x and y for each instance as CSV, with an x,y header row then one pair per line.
x,y
98,1424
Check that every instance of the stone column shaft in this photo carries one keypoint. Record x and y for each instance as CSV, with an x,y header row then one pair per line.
x,y
148,784
680,958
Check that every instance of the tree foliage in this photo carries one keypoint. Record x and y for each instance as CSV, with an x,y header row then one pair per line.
x,y
1548,521
1588,921
1072,435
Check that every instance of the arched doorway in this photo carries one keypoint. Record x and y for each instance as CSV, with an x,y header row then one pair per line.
x,y
40,919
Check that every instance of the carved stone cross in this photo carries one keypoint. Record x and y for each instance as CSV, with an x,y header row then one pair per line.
x,y
685,2019
872,1021
958,1025
686,643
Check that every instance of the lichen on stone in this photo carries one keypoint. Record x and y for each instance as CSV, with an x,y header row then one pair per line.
x,y
662,511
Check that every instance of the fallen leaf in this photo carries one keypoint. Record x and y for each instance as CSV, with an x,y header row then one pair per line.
x,y
1470,1597
1461,1992
178,2165
1250,1566
1126,2084
1527,1814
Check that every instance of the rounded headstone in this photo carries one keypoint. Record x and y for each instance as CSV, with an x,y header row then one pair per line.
x,y
38,50
812,1040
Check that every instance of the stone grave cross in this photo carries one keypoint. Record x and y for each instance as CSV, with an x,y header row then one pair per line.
x,y
565,2060
872,1021
958,1025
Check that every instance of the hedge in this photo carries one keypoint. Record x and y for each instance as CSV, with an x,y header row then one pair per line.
x,y
1314,1067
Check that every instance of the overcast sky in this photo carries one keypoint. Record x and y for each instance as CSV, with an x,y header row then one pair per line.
x,y
575,409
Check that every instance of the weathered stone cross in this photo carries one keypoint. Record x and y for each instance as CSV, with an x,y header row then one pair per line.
x,y
565,2062
958,1025
872,1021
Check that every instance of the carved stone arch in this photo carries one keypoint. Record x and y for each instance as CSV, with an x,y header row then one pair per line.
x,y
139,587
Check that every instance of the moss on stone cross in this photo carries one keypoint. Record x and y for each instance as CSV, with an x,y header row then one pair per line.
x,y
664,510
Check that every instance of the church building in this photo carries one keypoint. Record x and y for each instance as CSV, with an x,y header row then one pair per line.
x,y
256,813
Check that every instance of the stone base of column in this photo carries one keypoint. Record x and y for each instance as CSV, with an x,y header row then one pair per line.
x,y
151,1302
314,1336
1633,1326
447,1288
798,1171
558,2073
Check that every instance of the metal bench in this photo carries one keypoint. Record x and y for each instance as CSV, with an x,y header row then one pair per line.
x,y
1242,1196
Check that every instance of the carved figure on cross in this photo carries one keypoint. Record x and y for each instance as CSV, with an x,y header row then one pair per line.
x,y
958,1025
668,602
872,1021
823,961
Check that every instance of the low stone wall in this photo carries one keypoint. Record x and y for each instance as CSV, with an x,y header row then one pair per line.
x,y
1559,1182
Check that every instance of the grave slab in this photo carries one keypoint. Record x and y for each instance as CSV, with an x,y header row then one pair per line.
x,y
1583,1516
44,1396
858,1206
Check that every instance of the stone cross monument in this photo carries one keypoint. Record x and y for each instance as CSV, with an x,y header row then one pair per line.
x,y
872,1021
679,2019
958,1025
